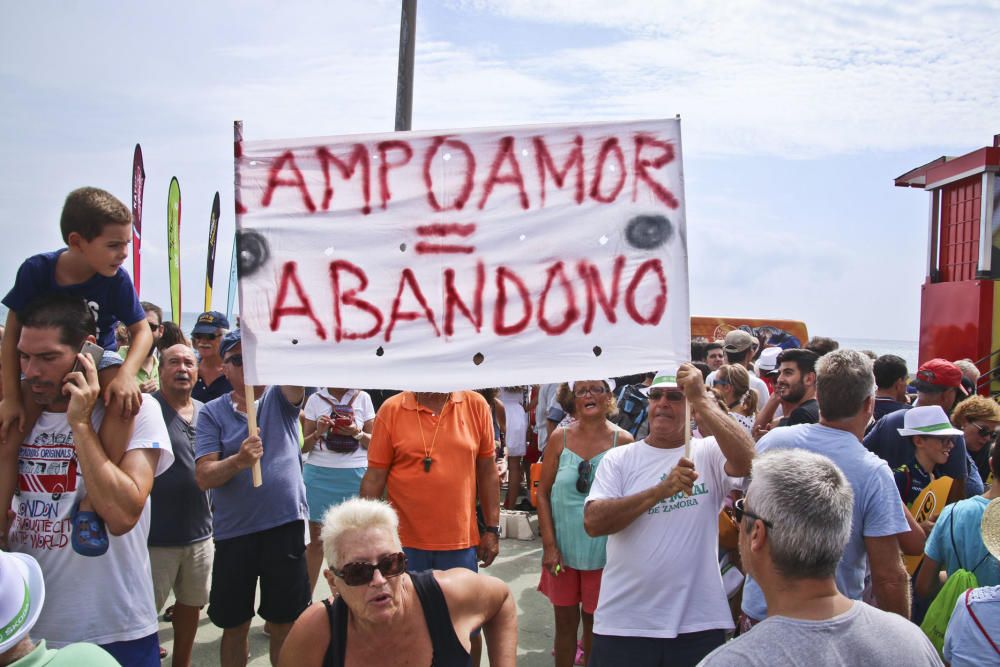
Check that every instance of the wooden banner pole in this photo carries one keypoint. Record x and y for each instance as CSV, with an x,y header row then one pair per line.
x,y
252,427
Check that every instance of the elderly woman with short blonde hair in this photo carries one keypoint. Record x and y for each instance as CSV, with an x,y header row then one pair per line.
x,y
382,612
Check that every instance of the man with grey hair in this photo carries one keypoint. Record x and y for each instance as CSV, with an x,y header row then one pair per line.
x,y
794,524
969,370
845,389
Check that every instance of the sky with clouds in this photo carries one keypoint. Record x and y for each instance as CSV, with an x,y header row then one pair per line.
x,y
796,116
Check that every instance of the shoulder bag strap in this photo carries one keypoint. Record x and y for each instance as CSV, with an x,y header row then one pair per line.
x,y
979,625
328,401
954,548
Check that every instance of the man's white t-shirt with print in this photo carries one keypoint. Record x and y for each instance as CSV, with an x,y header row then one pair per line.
x,y
103,599
318,406
662,575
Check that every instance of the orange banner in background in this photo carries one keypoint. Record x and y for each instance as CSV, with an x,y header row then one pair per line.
x,y
786,333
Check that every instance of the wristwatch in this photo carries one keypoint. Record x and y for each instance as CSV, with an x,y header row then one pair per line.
x,y
358,435
492,529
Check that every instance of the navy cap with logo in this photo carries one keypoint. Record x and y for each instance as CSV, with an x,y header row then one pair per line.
x,y
208,323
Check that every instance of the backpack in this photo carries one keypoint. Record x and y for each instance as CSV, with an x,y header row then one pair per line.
x,y
939,613
340,444
632,409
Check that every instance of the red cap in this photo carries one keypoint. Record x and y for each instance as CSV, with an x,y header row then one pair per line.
x,y
941,373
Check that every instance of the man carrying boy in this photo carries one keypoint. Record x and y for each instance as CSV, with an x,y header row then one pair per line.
x,y
97,229
106,600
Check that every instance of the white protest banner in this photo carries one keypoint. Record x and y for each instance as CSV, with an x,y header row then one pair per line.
x,y
469,258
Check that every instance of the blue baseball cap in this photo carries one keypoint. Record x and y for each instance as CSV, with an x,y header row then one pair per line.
x,y
210,321
229,341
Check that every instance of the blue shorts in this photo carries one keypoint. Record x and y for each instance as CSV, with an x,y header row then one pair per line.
x,y
142,652
326,487
418,560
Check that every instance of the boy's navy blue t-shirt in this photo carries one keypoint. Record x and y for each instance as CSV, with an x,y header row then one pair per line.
x,y
111,299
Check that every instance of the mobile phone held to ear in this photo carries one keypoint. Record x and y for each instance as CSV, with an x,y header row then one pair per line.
x,y
95,352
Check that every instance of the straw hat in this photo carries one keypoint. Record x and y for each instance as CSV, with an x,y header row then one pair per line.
x,y
990,527
22,593
927,420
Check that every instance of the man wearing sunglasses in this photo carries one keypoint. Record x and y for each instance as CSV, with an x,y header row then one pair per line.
x,y
206,337
794,524
259,532
662,600
846,394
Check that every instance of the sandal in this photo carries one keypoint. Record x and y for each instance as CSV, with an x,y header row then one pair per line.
x,y
89,536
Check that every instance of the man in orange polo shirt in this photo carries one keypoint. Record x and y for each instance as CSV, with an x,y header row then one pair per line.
x,y
434,451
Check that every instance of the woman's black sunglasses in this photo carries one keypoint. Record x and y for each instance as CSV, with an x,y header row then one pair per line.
x,y
235,360
583,476
359,574
985,432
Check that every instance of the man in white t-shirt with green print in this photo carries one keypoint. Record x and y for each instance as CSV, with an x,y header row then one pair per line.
x,y
662,600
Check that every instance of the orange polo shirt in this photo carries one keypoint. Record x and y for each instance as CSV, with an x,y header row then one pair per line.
x,y
437,508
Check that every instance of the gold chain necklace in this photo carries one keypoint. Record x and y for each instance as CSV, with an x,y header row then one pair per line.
x,y
427,453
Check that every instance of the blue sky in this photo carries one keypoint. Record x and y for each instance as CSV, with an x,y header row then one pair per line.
x,y
796,116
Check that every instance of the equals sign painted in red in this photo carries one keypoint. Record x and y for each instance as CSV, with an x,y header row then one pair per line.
x,y
443,230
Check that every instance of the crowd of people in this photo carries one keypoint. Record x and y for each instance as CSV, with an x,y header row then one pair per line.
x,y
750,506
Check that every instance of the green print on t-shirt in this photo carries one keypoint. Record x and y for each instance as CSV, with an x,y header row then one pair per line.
x,y
679,500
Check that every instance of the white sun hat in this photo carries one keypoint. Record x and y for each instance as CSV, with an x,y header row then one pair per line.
x,y
927,420
664,379
22,594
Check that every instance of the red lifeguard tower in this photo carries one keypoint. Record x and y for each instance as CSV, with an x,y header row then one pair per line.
x,y
960,297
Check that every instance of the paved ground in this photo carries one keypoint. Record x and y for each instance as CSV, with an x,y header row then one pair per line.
x,y
519,565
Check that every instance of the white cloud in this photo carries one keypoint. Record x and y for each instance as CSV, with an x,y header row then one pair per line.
x,y
785,79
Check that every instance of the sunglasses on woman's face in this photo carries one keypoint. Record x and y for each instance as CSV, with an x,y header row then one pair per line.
x,y
720,383
598,390
235,360
583,476
359,574
985,432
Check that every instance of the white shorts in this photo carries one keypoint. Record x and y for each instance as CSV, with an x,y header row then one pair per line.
x,y
187,570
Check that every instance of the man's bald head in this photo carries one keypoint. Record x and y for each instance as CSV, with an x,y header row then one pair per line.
x,y
178,370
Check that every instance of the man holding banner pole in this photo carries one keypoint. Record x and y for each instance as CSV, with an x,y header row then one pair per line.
x,y
259,532
662,599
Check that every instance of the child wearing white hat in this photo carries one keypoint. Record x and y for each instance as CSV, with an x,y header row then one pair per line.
x,y
933,438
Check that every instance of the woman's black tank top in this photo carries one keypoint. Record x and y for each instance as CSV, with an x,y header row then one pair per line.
x,y
448,651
